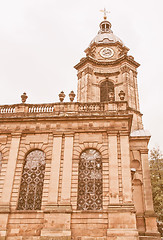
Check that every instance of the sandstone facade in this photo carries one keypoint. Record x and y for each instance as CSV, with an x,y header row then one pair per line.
x,y
79,170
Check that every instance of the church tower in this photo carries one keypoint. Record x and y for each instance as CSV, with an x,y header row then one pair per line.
x,y
79,170
108,73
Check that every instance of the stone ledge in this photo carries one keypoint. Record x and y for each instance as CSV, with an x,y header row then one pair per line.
x,y
121,208
149,238
57,208
55,234
56,238
91,238
122,233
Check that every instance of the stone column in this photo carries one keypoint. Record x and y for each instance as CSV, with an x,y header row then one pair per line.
x,y
113,169
8,184
126,172
67,170
55,169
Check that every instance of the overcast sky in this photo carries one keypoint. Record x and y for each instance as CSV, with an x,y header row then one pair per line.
x,y
41,41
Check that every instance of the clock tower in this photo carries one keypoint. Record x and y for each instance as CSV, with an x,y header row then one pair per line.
x,y
108,73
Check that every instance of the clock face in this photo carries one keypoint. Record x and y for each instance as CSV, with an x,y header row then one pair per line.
x,y
106,52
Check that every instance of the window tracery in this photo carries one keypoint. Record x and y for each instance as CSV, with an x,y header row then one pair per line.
x,y
31,188
90,181
107,91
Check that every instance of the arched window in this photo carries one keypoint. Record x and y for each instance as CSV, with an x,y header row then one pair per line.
x,y
106,91
31,187
90,181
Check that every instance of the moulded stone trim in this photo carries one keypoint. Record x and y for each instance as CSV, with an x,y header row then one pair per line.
x,y
144,151
79,75
88,70
23,152
3,139
125,69
56,238
4,151
90,145
135,74
104,80
107,74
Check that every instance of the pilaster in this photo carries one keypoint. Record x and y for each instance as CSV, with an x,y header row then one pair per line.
x,y
150,218
55,169
58,215
8,183
126,172
113,169
67,170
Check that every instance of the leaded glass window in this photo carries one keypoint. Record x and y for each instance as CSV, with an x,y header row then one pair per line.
x,y
90,181
106,91
31,187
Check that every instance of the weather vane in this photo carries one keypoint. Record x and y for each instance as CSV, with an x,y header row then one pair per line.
x,y
105,13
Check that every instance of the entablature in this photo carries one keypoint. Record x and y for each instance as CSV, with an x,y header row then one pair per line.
x,y
120,60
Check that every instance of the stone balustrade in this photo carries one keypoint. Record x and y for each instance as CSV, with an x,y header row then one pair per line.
x,y
66,107
7,109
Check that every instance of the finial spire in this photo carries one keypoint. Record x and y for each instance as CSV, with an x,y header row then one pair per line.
x,y
105,13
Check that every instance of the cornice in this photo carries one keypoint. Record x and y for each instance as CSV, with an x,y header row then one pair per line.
x,y
116,44
140,138
135,111
84,115
108,63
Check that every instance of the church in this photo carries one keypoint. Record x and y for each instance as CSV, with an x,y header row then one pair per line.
x,y
79,170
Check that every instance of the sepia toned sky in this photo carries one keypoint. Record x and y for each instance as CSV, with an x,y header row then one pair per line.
x,y
41,41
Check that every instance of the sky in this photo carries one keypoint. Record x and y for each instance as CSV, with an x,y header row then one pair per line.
x,y
41,41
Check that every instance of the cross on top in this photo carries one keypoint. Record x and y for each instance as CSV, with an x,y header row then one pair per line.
x,y
105,13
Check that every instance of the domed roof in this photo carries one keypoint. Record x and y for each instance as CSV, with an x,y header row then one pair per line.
x,y
105,35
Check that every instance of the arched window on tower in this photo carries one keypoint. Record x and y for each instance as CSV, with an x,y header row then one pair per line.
x,y
90,181
31,188
107,91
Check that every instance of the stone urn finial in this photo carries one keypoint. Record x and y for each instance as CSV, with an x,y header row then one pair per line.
x,y
72,96
121,95
24,97
61,96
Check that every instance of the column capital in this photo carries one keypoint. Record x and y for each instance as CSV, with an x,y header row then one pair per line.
x,y
112,133
59,134
69,134
16,135
124,133
144,151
